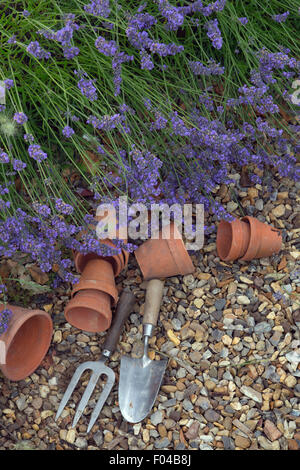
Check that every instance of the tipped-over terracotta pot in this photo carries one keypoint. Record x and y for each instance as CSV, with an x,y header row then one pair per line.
x,y
247,239
89,310
164,257
26,340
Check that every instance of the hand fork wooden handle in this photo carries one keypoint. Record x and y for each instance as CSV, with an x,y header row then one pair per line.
x,y
98,368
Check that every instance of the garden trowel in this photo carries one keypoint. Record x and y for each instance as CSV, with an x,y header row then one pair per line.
x,y
140,379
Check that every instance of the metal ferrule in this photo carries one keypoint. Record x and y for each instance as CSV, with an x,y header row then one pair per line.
x,y
148,329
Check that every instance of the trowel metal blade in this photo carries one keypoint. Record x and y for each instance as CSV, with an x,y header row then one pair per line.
x,y
139,383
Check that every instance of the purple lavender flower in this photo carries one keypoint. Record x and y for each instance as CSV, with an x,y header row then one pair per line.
x,y
108,48
146,62
214,33
42,209
216,6
164,50
5,316
2,107
243,20
281,18
18,165
36,152
63,207
4,205
106,123
68,131
8,83
47,33
26,13
64,35
159,123
3,288
4,158
71,52
98,8
211,69
173,14
28,138
37,51
88,89
12,39
20,118
118,59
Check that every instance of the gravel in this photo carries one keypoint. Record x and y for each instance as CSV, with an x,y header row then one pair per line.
x,y
233,377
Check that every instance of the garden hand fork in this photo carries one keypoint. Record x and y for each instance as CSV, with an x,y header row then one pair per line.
x,y
98,368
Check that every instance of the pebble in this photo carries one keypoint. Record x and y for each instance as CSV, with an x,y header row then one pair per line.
x,y
279,210
156,418
232,381
243,300
259,204
271,431
162,443
81,443
242,442
71,436
262,327
21,403
251,393
220,304
211,415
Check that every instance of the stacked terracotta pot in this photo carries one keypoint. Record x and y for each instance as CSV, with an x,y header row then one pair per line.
x,y
94,296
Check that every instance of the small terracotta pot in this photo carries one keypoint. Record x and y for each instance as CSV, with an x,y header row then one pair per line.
x,y
89,310
232,239
247,239
98,275
117,261
164,257
27,341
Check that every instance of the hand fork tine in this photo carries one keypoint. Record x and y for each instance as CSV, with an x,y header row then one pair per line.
x,y
124,308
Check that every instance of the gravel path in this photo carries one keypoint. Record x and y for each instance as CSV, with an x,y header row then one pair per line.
x,y
233,342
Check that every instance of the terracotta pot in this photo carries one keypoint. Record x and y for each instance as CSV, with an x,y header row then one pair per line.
x,y
117,261
98,274
89,310
247,239
27,341
232,239
164,257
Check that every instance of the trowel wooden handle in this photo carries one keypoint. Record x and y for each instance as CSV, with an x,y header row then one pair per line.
x,y
124,308
153,300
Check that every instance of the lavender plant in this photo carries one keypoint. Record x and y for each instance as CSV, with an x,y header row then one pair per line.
x,y
157,100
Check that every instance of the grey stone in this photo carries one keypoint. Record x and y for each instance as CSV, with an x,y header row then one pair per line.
x,y
211,415
156,418
259,204
98,438
228,443
81,443
21,403
162,443
220,304
262,327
